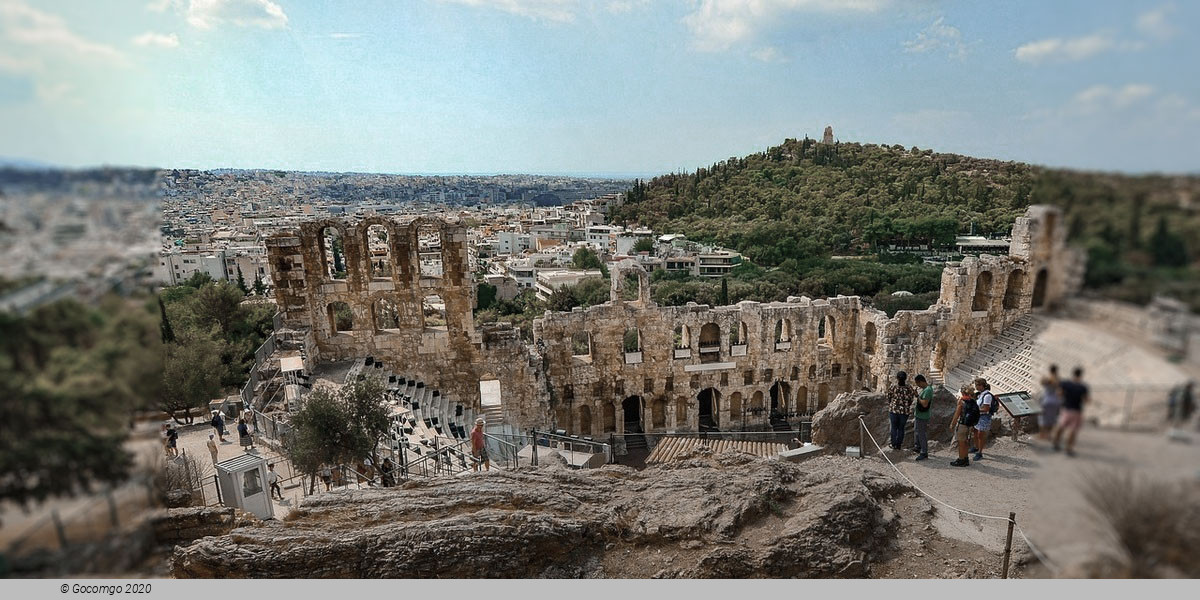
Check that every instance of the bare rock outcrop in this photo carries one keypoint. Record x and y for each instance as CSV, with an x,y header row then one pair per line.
x,y
722,515
836,426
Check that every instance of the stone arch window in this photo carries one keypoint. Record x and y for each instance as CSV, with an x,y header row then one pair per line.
x,y
378,244
1014,289
783,331
737,334
1051,222
983,291
433,312
812,371
333,253
822,395
735,404
756,401
610,417
632,340
341,317
658,413
386,314
581,344
710,337
802,398
795,373
826,329
869,335
683,337
1039,289
429,250
680,413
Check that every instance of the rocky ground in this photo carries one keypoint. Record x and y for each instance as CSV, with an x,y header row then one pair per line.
x,y
730,515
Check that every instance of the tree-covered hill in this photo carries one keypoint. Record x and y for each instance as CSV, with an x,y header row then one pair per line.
x,y
804,199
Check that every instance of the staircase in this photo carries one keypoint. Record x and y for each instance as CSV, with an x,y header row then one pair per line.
x,y
634,439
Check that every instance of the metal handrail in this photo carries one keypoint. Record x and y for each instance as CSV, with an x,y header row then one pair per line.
x,y
507,447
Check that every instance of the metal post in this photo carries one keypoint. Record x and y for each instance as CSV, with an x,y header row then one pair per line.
x,y
612,452
533,435
217,483
862,440
1016,427
1012,520
58,528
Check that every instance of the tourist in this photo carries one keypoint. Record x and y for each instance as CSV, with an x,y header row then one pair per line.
x,y
1074,396
479,446
244,437
385,472
900,399
172,442
273,480
966,415
212,448
921,414
327,477
1051,402
218,423
987,408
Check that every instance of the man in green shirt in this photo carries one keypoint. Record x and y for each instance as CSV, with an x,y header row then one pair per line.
x,y
921,417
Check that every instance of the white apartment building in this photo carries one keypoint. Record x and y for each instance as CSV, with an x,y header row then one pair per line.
x,y
176,267
550,280
513,242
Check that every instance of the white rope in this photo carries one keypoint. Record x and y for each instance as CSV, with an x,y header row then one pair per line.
x,y
1036,552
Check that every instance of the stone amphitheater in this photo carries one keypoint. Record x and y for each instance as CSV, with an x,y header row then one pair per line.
x,y
405,296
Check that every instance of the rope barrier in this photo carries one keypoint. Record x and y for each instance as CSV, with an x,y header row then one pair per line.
x,y
1040,556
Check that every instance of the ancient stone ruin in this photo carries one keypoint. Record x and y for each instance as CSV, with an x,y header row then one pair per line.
x,y
827,138
400,290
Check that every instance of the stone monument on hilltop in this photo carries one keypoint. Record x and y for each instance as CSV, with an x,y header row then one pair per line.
x,y
828,137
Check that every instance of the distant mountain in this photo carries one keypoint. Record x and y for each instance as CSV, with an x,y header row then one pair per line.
x,y
24,163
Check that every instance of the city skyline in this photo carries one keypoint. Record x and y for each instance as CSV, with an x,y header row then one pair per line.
x,y
603,88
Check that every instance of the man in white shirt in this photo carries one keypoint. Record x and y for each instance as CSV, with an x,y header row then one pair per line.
x,y
273,481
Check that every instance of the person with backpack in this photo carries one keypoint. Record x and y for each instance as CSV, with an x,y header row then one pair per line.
x,y
921,413
900,400
1075,395
966,415
987,407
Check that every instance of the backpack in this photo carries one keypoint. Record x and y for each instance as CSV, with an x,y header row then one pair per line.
x,y
970,415
993,406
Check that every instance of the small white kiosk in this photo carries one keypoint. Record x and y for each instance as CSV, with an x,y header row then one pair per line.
x,y
292,368
243,481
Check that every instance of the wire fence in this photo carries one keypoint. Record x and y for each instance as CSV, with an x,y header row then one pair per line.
x,y
1041,556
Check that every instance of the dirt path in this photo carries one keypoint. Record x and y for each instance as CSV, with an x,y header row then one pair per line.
x,y
1042,486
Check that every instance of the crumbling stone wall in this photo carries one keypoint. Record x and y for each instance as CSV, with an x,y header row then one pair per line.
x,y
728,367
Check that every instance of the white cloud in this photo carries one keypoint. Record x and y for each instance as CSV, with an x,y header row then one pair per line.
x,y
162,5
1156,23
1104,98
1065,49
13,64
23,25
620,7
769,54
341,35
562,11
206,14
938,36
161,40
719,24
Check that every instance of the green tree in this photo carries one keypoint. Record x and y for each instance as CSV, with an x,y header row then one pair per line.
x,y
71,378
644,245
335,428
168,334
486,294
241,281
1167,248
260,287
192,373
585,258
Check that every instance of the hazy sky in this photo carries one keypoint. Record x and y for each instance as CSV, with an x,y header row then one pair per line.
x,y
604,86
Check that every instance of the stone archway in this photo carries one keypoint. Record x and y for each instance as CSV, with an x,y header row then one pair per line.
x,y
1039,289
585,419
709,407
631,411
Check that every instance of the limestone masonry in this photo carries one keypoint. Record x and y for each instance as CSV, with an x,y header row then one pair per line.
x,y
408,289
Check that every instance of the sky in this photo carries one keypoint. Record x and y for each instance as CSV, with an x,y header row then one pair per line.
x,y
616,87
